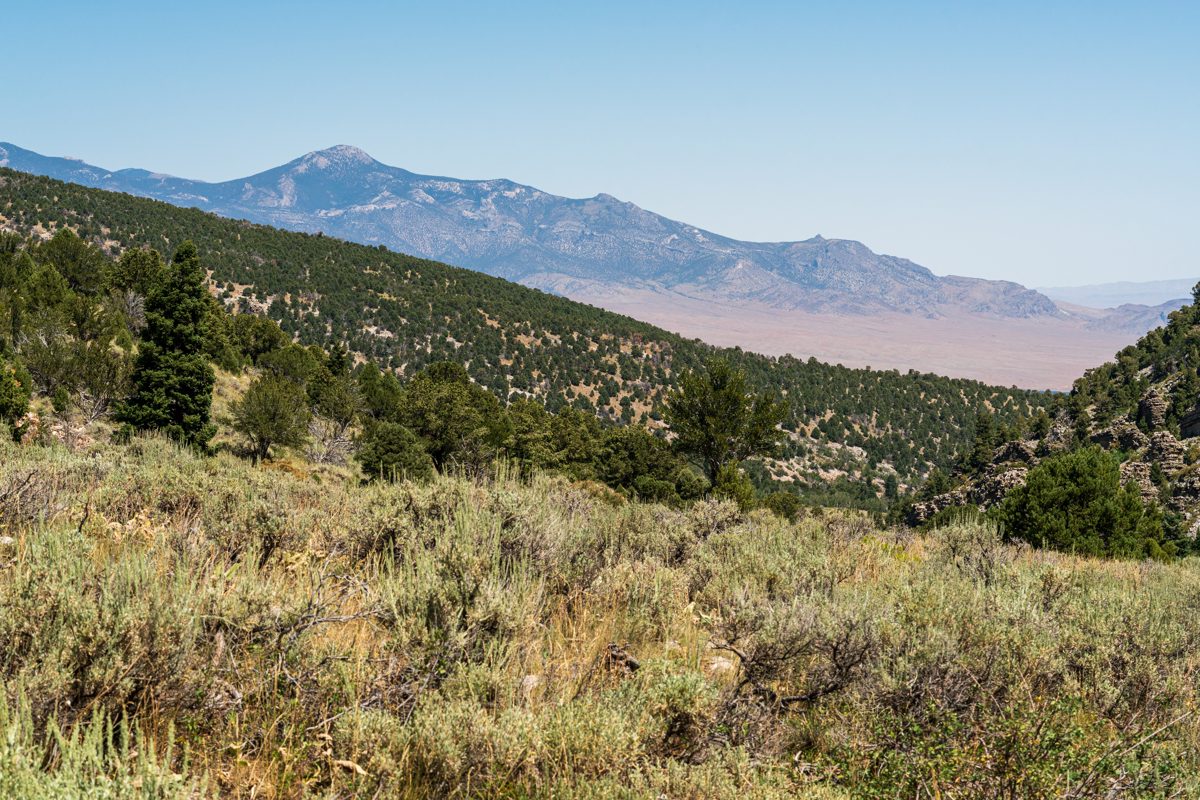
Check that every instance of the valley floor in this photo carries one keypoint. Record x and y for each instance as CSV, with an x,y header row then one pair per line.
x,y
301,635
1029,353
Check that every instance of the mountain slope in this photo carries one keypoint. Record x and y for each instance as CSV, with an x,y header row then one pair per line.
x,y
1144,406
565,245
406,312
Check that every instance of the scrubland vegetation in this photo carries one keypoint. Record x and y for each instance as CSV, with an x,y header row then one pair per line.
x,y
174,625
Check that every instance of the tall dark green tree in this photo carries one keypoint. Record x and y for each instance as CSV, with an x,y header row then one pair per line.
x,y
390,451
172,379
716,418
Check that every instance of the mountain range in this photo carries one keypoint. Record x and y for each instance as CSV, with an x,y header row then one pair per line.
x,y
835,299
524,234
1118,293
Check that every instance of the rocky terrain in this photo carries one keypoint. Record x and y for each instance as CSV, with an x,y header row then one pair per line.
x,y
1158,463
1143,405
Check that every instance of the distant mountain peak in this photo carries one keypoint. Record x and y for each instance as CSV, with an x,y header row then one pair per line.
x,y
337,156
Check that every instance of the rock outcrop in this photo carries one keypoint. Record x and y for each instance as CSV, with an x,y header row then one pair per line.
x,y
924,510
1017,451
1138,473
1167,451
1152,410
1121,436
993,489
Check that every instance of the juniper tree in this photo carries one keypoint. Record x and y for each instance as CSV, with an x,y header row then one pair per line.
x,y
273,411
459,423
1075,502
172,380
392,452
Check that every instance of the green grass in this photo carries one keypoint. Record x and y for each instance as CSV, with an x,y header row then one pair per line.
x,y
175,626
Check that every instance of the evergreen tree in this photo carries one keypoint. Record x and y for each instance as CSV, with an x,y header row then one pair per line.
x,y
79,262
891,487
390,451
139,270
458,421
785,504
172,380
1075,502
715,418
986,438
256,335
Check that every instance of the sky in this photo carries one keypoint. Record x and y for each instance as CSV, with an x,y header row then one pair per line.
x,y
1050,143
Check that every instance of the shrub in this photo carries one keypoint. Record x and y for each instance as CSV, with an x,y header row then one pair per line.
x,y
392,452
97,759
1075,502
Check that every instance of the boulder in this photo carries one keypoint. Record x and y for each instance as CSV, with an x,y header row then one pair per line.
x,y
1014,451
1121,435
924,510
993,489
1185,500
1061,433
1189,426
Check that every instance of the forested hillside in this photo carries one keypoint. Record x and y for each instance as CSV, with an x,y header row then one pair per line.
x,y
406,313
1114,469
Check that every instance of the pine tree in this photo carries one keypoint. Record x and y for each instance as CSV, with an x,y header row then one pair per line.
x,y
1075,502
172,380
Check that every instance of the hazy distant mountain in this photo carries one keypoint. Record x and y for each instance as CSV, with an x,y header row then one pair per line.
x,y
1111,295
1131,318
574,247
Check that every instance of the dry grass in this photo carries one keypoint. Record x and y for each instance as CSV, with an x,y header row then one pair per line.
x,y
298,634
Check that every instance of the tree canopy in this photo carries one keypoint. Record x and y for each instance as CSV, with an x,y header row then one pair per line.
x,y
1075,502
172,379
716,418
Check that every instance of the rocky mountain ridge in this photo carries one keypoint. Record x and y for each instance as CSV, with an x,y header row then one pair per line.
x,y
559,244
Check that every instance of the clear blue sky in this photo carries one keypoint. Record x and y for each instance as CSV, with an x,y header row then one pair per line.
x,y
1045,142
